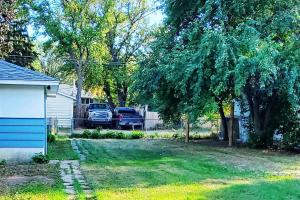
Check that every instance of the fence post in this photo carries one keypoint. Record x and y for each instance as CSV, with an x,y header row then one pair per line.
x,y
187,130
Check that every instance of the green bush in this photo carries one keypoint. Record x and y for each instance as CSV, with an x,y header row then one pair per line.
x,y
40,158
86,134
109,135
51,138
95,134
176,135
136,135
120,135
76,135
99,129
2,162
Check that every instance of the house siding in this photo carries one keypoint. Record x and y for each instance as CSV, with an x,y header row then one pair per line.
x,y
22,121
20,101
60,108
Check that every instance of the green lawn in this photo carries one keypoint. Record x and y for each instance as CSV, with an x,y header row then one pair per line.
x,y
36,181
61,149
169,170
30,181
159,170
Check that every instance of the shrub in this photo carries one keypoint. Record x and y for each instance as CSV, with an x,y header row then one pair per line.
x,y
51,138
76,135
137,135
99,129
94,135
86,134
2,162
176,135
109,134
40,158
120,135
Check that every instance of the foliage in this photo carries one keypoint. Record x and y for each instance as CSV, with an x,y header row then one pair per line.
x,y
125,36
72,27
7,14
86,134
96,134
2,162
136,135
40,158
22,53
211,52
51,138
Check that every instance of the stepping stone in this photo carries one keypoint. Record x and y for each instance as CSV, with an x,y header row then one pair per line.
x,y
53,162
68,184
70,187
82,181
88,192
85,187
70,191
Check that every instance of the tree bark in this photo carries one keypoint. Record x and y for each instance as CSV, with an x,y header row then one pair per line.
x,y
122,99
223,120
79,84
122,94
107,91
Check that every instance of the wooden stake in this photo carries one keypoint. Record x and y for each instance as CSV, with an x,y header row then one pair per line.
x,y
231,125
187,130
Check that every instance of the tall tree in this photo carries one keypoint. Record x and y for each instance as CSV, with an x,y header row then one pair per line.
x,y
72,26
126,35
23,53
7,14
215,51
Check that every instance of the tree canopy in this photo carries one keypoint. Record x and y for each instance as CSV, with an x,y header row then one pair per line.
x,y
211,52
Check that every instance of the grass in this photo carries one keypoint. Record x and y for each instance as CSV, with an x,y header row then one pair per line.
x,y
61,149
168,170
29,181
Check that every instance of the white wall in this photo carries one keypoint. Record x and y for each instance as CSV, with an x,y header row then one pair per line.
x,y
19,154
18,101
152,120
61,108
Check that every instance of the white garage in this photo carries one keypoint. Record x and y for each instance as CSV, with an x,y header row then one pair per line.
x,y
61,108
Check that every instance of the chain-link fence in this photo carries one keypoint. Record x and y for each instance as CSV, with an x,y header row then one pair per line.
x,y
201,128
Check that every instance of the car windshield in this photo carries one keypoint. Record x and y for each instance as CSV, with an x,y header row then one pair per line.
x,y
127,111
98,106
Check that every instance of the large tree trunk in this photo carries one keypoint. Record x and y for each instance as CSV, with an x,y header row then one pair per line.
x,y
79,84
260,111
122,95
107,91
223,120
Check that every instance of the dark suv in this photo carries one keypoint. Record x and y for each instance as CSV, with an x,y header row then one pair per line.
x,y
127,117
99,114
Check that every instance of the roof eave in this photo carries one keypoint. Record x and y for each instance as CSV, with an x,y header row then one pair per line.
x,y
65,95
24,82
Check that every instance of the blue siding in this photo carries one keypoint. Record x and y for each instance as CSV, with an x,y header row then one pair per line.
x,y
20,122
22,133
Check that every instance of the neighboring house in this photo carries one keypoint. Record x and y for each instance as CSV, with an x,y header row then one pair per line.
x,y
23,95
61,108
242,119
152,120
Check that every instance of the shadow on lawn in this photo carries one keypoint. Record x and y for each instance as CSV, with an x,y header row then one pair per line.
x,y
115,165
269,190
210,190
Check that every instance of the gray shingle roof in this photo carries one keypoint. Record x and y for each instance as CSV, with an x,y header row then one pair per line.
x,y
9,71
